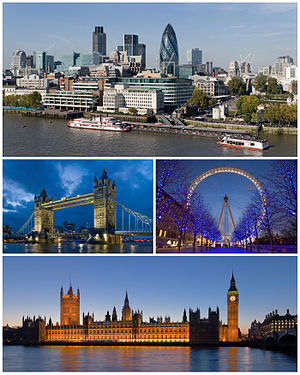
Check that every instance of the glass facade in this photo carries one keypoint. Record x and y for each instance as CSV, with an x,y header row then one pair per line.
x,y
168,53
130,44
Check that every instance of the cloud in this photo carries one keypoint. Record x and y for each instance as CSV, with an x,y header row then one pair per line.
x,y
14,195
279,33
237,26
143,169
8,210
70,176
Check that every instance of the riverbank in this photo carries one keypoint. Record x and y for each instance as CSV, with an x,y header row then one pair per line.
x,y
148,121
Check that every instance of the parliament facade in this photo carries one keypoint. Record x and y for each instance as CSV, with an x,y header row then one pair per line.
x,y
131,328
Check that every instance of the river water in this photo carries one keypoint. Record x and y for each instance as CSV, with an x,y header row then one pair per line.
x,y
77,248
40,137
133,358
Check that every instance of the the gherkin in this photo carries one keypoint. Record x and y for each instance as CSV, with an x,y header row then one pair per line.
x,y
168,52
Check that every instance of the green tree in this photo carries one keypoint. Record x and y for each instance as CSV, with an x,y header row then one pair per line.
x,y
212,101
132,111
260,83
272,86
198,98
246,106
236,86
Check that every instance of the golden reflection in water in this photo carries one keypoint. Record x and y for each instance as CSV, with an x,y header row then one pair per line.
x,y
232,359
123,358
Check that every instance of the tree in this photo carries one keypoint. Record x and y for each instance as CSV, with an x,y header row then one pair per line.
x,y
132,111
247,106
260,83
236,86
198,98
272,86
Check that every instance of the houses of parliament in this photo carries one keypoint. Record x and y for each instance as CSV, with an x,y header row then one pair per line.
x,y
131,328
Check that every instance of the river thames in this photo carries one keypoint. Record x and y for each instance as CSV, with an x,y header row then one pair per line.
x,y
77,248
139,358
30,136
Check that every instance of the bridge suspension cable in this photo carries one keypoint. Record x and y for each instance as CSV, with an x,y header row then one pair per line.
x,y
27,226
140,222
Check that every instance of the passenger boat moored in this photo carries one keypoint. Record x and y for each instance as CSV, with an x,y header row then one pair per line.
x,y
98,123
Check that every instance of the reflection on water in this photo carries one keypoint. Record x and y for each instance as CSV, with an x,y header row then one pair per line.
x,y
41,138
75,247
142,358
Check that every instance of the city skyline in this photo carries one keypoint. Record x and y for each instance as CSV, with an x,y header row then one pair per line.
x,y
264,284
22,179
264,33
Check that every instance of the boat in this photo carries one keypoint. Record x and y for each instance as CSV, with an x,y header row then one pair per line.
x,y
251,143
100,123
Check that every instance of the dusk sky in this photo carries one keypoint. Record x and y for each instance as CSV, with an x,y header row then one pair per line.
x,y
239,189
223,31
158,285
23,178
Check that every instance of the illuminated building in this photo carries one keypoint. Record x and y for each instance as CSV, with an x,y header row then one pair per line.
x,y
131,328
230,332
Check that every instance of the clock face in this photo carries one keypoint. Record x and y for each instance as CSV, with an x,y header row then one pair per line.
x,y
232,298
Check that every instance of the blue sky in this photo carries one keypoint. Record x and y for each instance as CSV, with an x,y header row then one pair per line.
x,y
239,189
224,31
159,285
23,178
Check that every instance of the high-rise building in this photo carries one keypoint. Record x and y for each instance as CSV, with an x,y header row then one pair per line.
x,y
209,67
234,69
40,61
142,52
130,44
99,40
69,60
168,53
18,60
49,64
194,57
232,311
281,63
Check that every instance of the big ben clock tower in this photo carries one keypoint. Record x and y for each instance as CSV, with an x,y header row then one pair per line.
x,y
232,311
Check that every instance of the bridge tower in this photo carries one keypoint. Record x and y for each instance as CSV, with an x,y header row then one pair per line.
x,y
104,208
232,312
43,217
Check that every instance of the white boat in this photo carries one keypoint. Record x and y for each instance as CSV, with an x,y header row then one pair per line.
x,y
253,144
100,123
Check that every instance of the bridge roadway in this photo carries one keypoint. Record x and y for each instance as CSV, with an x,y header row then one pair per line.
x,y
78,200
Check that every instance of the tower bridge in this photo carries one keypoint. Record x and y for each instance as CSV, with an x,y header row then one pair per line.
x,y
103,197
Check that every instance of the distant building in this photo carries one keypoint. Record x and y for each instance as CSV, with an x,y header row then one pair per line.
x,y
194,57
211,86
130,44
209,67
99,40
280,64
71,100
176,90
274,322
168,52
245,68
186,70
18,60
33,82
69,60
234,69
265,70
120,97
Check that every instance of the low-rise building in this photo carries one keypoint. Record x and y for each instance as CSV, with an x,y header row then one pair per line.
x,y
120,97
71,100
33,81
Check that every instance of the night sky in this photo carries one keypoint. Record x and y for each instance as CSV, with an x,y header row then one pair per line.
x,y
159,285
239,189
23,178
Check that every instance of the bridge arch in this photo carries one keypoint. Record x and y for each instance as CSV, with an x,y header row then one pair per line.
x,y
287,340
258,185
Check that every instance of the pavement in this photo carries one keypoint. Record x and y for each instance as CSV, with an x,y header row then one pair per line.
x,y
265,249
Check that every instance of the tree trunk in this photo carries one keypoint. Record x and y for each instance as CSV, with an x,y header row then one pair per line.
x,y
194,244
201,243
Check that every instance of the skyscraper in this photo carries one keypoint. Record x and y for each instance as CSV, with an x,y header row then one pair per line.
x,y
194,57
18,60
168,52
130,44
99,40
